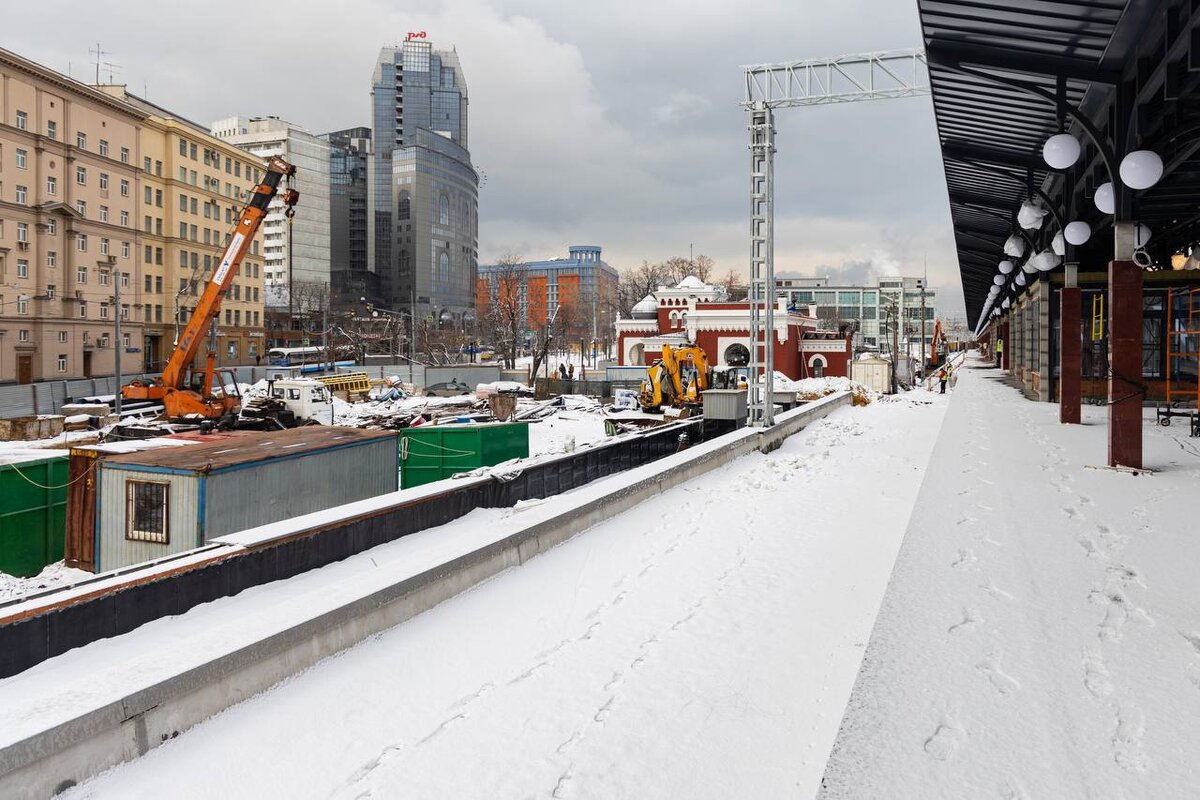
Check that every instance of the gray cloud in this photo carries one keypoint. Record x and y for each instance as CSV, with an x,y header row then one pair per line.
x,y
613,123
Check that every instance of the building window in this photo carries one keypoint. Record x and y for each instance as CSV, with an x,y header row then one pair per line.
x,y
125,218
62,362
104,181
183,147
62,337
83,309
23,232
22,268
104,311
124,155
81,243
192,151
124,187
50,291
51,258
737,355
51,130
22,195
22,121
405,206
81,176
23,335
22,159
81,207
81,140
124,249
146,165
444,210
81,275
51,227
147,195
22,304
103,247
146,511
104,147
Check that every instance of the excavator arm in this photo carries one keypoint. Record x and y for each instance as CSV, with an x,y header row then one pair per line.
x,y
171,388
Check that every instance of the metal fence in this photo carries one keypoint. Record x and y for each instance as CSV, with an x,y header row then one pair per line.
x,y
604,389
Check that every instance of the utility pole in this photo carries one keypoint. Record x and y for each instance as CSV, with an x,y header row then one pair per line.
x,y
923,361
325,329
894,313
118,347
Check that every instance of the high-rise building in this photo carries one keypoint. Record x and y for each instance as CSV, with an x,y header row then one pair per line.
x,y
192,187
69,192
298,252
423,194
349,277
578,291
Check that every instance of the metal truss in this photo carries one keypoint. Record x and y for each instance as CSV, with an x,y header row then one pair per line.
x,y
841,79
762,266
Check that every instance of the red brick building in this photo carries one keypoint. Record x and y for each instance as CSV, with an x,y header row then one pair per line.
x,y
694,311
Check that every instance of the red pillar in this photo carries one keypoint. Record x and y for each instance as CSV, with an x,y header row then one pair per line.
x,y
1069,390
1125,355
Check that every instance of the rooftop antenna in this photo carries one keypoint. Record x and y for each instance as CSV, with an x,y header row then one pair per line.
x,y
99,54
111,66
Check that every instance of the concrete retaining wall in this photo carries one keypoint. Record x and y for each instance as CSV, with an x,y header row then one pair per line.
x,y
50,760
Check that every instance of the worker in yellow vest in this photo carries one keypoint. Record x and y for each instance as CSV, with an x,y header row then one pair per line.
x,y
999,351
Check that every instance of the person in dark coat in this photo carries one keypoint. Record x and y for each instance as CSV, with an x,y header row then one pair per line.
x,y
562,371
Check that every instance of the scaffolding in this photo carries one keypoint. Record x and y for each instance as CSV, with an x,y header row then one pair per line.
x,y
1183,347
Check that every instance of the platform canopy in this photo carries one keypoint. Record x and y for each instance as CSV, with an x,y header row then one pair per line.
x,y
1000,71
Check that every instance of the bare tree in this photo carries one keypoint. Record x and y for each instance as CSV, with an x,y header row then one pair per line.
x,y
637,282
504,321
734,284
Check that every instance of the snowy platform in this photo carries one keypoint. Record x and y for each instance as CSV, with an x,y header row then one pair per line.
x,y
724,618
1040,636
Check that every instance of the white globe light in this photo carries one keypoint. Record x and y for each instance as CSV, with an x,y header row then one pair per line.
x,y
1058,244
1047,260
1014,246
1077,232
998,280
1020,279
1105,200
1141,169
1006,302
1141,235
995,290
1061,150
1030,266
1006,267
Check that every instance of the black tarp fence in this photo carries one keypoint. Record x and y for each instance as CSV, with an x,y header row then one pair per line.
x,y
30,641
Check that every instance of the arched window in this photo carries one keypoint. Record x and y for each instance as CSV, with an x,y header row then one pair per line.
x,y
404,208
444,267
674,315
816,366
737,355
444,211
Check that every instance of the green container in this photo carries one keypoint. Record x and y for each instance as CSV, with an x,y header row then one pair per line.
x,y
32,518
429,454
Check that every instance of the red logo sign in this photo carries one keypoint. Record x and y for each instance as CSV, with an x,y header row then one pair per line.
x,y
416,34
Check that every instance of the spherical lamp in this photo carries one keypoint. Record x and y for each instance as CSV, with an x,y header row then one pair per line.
x,y
1014,246
1141,169
1007,302
1020,279
1006,267
1077,232
998,280
1030,266
1141,235
1047,260
1061,150
1105,200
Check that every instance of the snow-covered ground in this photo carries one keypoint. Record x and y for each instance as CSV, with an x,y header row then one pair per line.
x,y
700,645
1041,633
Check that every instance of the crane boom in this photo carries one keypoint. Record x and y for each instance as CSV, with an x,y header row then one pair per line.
x,y
172,387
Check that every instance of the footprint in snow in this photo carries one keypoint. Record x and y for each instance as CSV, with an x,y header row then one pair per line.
x,y
970,618
1127,741
1096,675
944,741
1001,681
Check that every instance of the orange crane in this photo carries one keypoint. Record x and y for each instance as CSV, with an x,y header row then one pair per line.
x,y
182,390
938,336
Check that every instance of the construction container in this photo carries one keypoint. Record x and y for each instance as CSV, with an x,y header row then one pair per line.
x,y
431,453
725,404
159,502
33,499
80,550
872,372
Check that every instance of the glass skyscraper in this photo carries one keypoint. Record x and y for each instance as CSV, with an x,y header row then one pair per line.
x,y
423,193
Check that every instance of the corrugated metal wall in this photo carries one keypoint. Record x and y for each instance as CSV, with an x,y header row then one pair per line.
x,y
184,501
269,491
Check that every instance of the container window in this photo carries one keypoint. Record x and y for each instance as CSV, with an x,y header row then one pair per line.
x,y
146,511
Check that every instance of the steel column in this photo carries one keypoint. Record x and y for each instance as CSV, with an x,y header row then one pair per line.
x,y
1069,354
762,266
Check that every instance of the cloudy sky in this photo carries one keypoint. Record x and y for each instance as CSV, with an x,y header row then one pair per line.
x,y
611,122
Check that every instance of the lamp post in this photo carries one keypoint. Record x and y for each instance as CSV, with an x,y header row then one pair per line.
x,y
117,346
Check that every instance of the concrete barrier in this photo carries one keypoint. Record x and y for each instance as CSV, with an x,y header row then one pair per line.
x,y
55,758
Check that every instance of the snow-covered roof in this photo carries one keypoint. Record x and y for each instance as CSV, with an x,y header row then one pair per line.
x,y
692,282
646,307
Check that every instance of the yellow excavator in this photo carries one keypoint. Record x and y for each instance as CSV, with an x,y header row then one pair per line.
x,y
676,379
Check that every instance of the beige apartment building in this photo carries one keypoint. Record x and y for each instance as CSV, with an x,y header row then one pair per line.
x,y
192,187
68,191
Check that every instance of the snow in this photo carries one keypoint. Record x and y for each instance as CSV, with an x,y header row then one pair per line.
x,y
564,432
56,574
1041,634
701,644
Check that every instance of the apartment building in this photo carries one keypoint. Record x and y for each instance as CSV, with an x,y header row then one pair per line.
x,y
68,204
192,187
872,308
